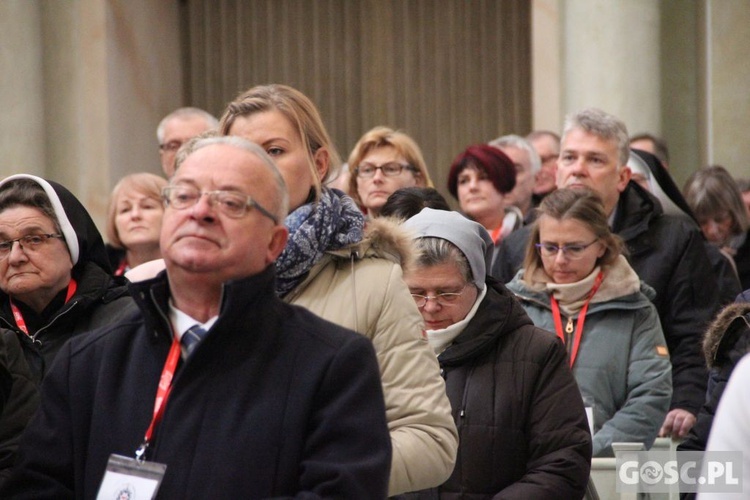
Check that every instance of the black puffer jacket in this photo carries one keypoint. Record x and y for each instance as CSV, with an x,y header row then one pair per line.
x,y
669,254
21,402
522,426
727,340
99,300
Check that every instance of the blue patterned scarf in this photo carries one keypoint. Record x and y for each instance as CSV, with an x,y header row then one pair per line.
x,y
332,223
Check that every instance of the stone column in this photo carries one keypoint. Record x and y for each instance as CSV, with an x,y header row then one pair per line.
x,y
22,137
610,56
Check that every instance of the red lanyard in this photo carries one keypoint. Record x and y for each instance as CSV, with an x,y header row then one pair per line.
x,y
581,319
21,323
122,267
495,234
162,394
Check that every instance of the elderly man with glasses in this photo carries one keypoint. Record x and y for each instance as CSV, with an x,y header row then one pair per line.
x,y
215,388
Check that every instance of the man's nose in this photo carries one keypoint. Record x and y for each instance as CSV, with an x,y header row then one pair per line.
x,y
204,208
431,305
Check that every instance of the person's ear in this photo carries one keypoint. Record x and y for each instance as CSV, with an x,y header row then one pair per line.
x,y
277,242
624,175
322,160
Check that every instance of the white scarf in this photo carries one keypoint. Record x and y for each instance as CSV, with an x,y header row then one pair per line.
x,y
441,339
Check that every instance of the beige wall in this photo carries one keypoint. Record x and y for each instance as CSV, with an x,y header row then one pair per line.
x,y
447,75
84,84
728,86
675,68
22,135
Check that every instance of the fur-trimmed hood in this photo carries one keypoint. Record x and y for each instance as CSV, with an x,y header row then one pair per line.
x,y
386,238
730,330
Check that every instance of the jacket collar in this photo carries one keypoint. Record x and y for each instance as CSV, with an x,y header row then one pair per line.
x,y
94,285
636,208
498,315
384,238
240,299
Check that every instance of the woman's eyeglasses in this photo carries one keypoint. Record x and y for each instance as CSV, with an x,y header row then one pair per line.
x,y
392,169
444,299
573,252
28,243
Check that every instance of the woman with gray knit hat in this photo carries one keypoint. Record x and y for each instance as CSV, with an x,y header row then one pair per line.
x,y
521,421
55,283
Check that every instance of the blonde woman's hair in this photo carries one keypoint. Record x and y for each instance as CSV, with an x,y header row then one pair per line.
x,y
149,185
301,113
404,145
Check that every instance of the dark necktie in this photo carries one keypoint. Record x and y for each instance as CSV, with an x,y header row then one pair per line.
x,y
192,337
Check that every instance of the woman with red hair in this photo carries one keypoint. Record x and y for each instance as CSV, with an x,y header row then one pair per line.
x,y
480,178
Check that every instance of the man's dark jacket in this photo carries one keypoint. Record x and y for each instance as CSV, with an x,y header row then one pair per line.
x,y
273,402
668,253
521,423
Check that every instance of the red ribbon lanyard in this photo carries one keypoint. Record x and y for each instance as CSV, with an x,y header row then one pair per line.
x,y
162,392
581,318
121,268
495,234
18,317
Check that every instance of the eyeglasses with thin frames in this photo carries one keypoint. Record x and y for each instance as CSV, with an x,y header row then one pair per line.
x,y
391,169
29,243
444,299
231,203
572,252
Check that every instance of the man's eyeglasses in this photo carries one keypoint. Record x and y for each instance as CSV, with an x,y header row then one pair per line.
x,y
573,252
28,243
392,169
170,146
444,299
231,203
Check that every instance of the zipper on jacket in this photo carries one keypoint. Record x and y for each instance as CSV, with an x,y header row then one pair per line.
x,y
462,411
352,257
52,322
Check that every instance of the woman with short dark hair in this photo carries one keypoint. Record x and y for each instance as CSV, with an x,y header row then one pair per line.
x,y
480,178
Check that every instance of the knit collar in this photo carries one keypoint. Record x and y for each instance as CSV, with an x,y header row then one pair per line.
x,y
619,280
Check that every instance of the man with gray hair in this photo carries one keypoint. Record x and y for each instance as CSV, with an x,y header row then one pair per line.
x,y
667,251
177,128
214,387
527,163
547,145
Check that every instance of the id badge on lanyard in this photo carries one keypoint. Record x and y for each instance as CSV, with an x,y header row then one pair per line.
x,y
130,479
135,478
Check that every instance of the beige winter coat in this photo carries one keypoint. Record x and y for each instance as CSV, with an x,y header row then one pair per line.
x,y
361,288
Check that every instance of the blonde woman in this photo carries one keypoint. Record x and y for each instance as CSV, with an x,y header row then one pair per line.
x,y
383,161
352,276
134,220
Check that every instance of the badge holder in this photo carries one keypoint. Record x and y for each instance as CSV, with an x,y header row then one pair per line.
x,y
130,479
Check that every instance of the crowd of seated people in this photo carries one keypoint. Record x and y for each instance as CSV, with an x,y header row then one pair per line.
x,y
573,279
